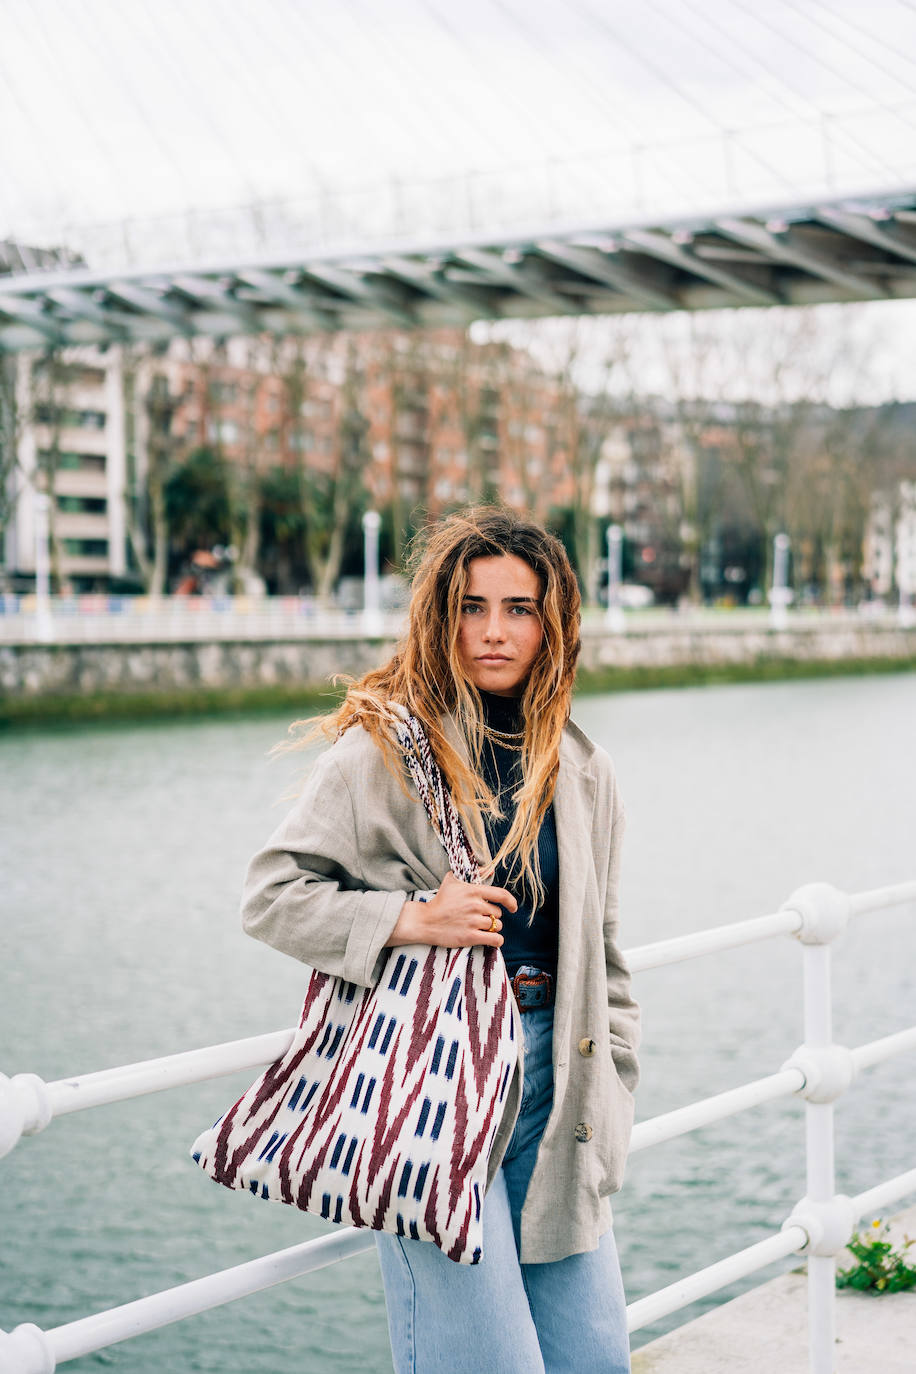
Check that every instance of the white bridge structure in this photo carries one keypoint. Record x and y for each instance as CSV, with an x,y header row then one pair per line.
x,y
801,253
291,168
818,1227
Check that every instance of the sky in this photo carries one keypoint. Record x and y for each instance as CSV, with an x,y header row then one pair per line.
x,y
140,126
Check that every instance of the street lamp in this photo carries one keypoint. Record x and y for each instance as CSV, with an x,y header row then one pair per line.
x,y
613,616
780,595
372,590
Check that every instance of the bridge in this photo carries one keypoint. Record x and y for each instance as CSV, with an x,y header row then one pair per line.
x,y
800,254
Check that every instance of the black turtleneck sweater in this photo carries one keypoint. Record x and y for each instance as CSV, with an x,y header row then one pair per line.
x,y
527,940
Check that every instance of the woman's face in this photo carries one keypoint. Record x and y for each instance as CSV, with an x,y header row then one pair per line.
x,y
500,632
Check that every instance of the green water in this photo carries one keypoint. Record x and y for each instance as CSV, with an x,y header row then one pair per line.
x,y
122,854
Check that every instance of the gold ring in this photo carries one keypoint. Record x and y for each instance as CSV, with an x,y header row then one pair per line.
x,y
492,925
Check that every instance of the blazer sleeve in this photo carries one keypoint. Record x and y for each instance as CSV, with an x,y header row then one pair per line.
x,y
623,1011
304,892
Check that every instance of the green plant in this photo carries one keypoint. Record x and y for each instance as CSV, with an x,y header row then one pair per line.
x,y
880,1265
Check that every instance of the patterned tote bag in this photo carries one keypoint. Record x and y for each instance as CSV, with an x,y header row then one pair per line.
x,y
384,1109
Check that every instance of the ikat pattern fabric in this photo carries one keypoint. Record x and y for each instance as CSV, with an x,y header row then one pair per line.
x,y
384,1110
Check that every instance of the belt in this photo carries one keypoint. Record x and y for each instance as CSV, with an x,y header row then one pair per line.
x,y
533,988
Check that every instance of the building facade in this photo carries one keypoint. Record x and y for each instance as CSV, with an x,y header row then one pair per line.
x,y
70,437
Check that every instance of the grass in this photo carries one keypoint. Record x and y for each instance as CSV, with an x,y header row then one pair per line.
x,y
119,707
621,679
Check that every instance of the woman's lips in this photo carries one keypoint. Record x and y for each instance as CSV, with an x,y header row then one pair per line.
x,y
493,658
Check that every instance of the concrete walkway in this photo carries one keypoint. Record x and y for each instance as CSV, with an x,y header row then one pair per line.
x,y
766,1330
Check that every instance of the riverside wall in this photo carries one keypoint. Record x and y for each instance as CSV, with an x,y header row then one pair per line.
x,y
35,670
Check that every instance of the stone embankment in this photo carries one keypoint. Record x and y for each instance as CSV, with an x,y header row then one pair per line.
x,y
32,672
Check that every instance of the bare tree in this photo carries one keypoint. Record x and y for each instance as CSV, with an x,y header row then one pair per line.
x,y
10,431
159,405
405,358
468,378
590,403
526,394
334,493
692,388
48,378
243,474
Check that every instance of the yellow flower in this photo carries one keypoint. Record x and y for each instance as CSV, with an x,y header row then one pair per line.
x,y
876,1225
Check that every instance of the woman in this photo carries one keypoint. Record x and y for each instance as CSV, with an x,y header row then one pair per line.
x,y
487,665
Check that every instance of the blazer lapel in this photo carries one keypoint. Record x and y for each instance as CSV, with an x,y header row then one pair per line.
x,y
573,808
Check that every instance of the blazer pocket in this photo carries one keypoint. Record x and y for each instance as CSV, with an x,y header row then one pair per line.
x,y
614,1140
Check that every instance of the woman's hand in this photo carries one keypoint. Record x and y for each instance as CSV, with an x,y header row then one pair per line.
x,y
460,914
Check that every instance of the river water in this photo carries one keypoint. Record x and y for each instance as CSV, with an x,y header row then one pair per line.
x,y
122,855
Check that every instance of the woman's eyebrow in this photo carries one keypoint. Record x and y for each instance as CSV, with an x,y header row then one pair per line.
x,y
507,600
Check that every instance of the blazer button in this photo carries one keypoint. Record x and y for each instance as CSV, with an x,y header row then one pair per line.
x,y
587,1048
583,1132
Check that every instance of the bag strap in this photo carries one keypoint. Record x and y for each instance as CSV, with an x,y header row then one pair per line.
x,y
434,794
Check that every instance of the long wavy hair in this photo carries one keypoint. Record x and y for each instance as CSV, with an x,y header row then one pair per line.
x,y
426,675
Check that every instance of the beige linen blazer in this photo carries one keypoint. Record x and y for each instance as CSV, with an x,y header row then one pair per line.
x,y
328,889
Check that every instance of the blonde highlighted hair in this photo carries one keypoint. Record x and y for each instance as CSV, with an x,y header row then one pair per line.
x,y
426,675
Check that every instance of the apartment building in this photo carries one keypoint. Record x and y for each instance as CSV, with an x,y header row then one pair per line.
x,y
70,439
442,419
889,563
425,422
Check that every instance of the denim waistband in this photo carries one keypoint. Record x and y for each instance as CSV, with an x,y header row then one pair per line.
x,y
533,988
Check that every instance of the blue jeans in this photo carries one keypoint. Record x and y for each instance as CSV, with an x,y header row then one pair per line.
x,y
500,1316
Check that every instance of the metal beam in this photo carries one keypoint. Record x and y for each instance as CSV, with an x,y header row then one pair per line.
x,y
147,302
302,302
81,304
427,277
496,270
786,247
880,233
599,267
202,290
349,283
659,245
29,312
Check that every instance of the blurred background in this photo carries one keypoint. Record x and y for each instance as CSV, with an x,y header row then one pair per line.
x,y
316,259
281,282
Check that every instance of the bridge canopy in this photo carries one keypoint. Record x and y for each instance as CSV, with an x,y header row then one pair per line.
x,y
800,255
404,164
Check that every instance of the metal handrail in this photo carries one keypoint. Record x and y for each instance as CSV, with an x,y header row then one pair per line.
x,y
820,1070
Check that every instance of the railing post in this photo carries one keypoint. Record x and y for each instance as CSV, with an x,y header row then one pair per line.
x,y
824,912
819,1160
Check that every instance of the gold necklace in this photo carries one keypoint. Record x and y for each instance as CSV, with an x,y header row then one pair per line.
x,y
508,739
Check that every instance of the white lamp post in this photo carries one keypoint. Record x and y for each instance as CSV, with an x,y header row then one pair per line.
x,y
613,617
779,592
372,595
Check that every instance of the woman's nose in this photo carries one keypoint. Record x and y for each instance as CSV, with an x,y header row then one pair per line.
x,y
494,627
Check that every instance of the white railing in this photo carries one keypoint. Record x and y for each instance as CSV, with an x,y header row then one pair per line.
x,y
97,618
819,1225
102,618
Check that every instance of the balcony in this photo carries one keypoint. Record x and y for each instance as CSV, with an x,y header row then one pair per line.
x,y
81,525
74,439
73,482
84,565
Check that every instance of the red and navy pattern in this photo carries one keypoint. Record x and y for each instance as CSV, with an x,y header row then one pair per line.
x,y
384,1110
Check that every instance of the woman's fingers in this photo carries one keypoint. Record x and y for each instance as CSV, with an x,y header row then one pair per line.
x,y
500,895
466,913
